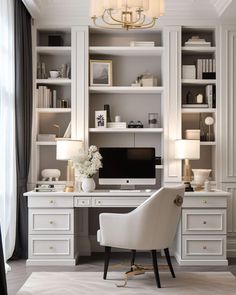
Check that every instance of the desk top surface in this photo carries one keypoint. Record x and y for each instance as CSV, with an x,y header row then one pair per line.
x,y
107,193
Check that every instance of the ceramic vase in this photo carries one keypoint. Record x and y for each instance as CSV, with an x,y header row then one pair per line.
x,y
200,176
88,185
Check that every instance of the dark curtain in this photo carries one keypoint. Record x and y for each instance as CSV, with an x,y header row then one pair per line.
x,y
3,283
23,109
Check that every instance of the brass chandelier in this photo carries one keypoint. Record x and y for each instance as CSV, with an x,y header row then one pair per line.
x,y
126,14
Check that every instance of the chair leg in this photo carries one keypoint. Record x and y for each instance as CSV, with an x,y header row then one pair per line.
x,y
155,267
166,250
133,258
106,262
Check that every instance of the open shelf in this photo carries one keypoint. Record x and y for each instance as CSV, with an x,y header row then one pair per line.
x,y
126,130
54,50
198,50
198,81
197,110
53,110
38,143
126,89
126,50
58,81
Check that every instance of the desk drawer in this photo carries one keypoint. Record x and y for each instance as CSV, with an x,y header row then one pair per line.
x,y
200,247
50,202
129,202
204,221
51,221
83,202
54,247
205,202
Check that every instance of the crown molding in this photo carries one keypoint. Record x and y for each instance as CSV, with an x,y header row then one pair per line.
x,y
32,7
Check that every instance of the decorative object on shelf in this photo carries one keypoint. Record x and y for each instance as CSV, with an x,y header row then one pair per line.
x,y
46,137
54,74
87,164
55,40
137,124
187,150
148,80
207,186
68,149
100,72
129,14
41,71
58,129
153,120
46,188
50,174
142,43
197,41
63,103
117,125
192,134
136,84
100,119
117,118
64,71
189,72
107,108
209,121
200,176
199,98
67,133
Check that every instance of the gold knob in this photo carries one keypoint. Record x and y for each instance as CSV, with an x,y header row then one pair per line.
x,y
51,222
204,201
204,222
83,202
99,202
204,247
51,202
51,247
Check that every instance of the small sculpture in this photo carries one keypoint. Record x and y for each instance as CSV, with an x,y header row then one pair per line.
x,y
50,174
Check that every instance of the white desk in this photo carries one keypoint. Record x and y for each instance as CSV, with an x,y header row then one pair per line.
x,y
58,226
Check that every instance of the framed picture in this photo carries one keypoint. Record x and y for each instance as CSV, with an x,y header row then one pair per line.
x,y
100,119
100,73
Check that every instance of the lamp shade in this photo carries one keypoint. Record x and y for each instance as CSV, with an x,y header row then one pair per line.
x,y
67,149
187,149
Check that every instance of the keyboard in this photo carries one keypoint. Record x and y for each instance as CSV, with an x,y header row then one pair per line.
x,y
125,191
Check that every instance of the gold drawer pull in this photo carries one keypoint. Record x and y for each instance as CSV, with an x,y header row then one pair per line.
x,y
83,202
99,202
51,222
204,222
52,202
204,201
51,247
204,247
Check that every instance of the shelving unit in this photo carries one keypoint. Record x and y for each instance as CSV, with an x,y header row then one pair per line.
x,y
131,103
46,118
194,118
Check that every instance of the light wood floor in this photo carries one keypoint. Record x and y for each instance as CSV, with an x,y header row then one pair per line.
x,y
119,262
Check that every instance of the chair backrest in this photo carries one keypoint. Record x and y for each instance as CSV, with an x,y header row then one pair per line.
x,y
157,218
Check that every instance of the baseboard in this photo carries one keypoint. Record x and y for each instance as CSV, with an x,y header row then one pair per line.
x,y
231,247
51,262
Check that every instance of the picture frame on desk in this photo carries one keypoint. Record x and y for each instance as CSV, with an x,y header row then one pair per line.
x,y
100,119
100,72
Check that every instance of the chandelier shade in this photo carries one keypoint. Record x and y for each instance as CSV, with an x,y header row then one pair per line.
x,y
126,14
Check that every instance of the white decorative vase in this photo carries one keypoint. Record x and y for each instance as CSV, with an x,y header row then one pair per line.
x,y
200,176
88,185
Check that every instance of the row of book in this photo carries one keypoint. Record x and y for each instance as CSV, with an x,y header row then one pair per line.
x,y
205,66
46,98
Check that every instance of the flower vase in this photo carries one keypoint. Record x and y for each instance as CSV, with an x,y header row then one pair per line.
x,y
88,185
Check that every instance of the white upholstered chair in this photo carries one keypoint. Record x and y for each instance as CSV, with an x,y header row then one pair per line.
x,y
149,227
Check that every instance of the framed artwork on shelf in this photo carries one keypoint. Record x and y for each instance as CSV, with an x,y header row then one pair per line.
x,y
100,72
100,119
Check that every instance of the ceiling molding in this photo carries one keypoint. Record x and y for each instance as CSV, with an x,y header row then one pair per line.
x,y
220,5
33,7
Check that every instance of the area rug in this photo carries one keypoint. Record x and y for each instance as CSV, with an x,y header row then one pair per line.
x,y
87,283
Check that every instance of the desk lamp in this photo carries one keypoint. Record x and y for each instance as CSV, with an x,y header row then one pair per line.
x,y
187,150
68,149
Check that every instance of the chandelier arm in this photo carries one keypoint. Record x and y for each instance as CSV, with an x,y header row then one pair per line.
x,y
114,19
146,26
106,22
105,27
120,22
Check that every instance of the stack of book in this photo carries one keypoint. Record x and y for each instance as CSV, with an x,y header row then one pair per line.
x,y
210,95
197,41
206,66
142,43
116,125
45,98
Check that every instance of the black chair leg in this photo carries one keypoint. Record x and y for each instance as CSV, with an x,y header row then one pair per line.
x,y
166,250
133,258
155,267
106,262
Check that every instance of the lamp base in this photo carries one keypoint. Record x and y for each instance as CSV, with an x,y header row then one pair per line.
x,y
68,189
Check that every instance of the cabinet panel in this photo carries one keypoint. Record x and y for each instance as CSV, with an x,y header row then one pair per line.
x,y
204,221
118,202
205,202
50,202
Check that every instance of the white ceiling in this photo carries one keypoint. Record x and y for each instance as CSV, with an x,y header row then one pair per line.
x,y
77,11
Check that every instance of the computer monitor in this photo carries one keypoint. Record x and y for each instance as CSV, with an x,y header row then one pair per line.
x,y
127,166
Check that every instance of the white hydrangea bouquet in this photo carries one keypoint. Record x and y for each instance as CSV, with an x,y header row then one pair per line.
x,y
87,163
